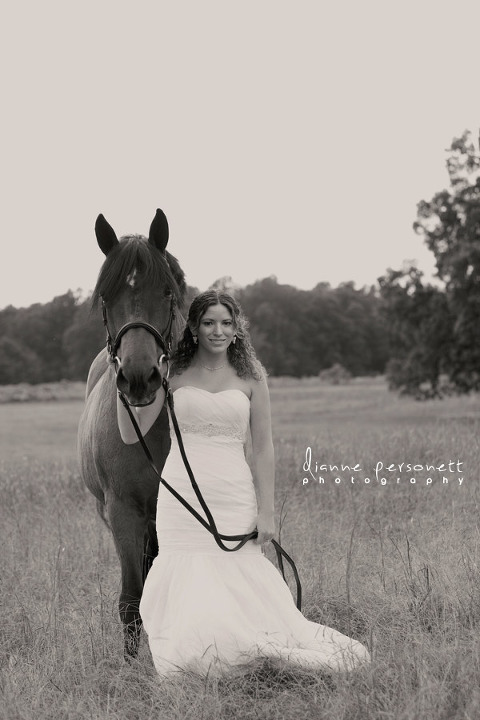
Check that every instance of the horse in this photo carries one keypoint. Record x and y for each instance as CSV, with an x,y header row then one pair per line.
x,y
140,288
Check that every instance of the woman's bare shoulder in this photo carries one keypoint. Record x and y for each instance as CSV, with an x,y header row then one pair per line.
x,y
259,388
177,379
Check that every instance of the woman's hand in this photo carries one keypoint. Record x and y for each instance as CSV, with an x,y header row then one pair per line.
x,y
265,527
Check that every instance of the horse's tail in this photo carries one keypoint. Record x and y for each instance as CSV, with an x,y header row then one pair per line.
x,y
150,551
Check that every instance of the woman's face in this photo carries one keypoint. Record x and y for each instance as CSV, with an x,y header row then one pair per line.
x,y
216,329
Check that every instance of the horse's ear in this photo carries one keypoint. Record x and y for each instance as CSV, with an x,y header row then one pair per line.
x,y
106,237
158,234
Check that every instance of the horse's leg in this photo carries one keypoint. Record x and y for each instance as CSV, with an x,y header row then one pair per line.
x,y
129,529
151,548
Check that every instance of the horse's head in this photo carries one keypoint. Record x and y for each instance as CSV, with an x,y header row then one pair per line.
x,y
140,285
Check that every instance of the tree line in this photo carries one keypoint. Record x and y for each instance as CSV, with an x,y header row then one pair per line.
x,y
295,332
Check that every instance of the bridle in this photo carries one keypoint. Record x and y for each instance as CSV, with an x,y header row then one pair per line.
x,y
163,339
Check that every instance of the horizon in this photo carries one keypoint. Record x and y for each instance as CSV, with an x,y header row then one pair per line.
x,y
84,296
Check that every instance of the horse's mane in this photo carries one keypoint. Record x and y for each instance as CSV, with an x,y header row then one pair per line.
x,y
152,269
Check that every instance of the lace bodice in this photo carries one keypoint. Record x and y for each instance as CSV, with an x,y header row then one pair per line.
x,y
211,414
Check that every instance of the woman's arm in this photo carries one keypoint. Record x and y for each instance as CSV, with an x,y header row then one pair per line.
x,y
263,459
145,417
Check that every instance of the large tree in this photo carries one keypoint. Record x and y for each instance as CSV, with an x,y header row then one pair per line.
x,y
450,226
434,330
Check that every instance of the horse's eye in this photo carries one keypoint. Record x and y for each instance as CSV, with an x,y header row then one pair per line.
x,y
168,293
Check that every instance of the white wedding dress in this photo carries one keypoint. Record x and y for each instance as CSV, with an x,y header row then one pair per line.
x,y
205,609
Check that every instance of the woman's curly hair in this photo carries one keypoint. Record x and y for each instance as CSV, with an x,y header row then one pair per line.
x,y
240,354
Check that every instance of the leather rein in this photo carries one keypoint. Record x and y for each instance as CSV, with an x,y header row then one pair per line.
x,y
209,524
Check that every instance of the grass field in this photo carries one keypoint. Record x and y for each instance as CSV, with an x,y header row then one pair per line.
x,y
393,564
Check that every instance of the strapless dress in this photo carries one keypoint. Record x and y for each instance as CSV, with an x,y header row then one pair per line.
x,y
205,609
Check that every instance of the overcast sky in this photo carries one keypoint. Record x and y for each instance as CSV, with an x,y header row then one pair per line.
x,y
280,138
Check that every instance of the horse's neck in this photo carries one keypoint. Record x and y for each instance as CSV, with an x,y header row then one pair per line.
x,y
98,368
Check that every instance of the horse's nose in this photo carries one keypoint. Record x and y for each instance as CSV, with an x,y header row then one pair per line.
x,y
122,382
155,378
138,387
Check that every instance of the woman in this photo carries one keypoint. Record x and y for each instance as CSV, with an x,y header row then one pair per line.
x,y
205,609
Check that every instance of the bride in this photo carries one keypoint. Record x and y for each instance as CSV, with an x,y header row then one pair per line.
x,y
204,609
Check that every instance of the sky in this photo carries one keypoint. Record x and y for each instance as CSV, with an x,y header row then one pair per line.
x,y
280,138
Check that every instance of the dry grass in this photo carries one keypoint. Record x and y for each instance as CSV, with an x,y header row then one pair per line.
x,y
394,565
24,392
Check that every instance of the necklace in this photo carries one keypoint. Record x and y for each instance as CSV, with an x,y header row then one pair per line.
x,y
219,367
